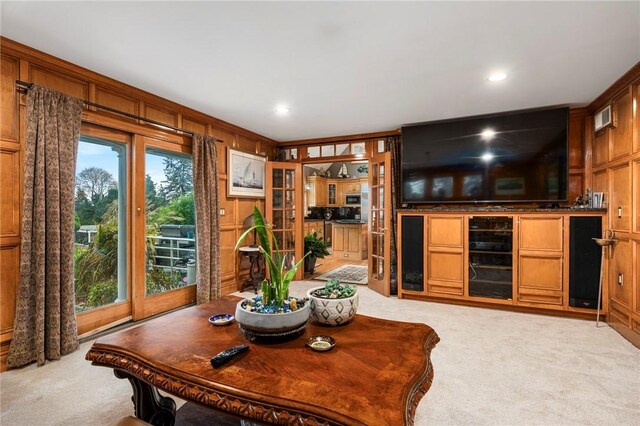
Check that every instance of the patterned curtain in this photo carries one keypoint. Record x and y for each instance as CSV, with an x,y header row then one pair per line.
x,y
205,186
392,144
45,322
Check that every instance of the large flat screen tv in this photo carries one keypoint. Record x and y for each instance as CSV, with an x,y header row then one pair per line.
x,y
512,157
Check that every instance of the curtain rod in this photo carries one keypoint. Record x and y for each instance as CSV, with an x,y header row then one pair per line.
x,y
24,86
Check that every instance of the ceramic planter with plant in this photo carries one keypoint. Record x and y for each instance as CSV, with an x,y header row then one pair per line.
x,y
334,303
272,314
316,248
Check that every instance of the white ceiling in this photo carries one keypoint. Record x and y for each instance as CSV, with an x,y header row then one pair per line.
x,y
343,68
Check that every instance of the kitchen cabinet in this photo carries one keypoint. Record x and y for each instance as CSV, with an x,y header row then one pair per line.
x,y
350,241
314,226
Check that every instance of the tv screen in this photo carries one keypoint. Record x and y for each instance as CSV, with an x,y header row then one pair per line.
x,y
508,157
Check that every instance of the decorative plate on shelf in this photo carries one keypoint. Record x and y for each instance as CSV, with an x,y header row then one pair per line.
x,y
221,319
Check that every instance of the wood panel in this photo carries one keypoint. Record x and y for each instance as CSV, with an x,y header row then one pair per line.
x,y
9,276
622,129
160,114
636,278
620,273
111,98
636,196
194,125
228,256
600,148
636,116
541,233
9,122
445,272
245,144
61,82
576,137
540,278
10,193
620,200
446,231
576,185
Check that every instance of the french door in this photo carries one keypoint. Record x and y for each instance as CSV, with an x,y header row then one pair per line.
x,y
284,210
135,253
380,223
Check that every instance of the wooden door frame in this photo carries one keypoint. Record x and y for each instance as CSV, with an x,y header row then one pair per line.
x,y
298,205
144,306
102,317
383,287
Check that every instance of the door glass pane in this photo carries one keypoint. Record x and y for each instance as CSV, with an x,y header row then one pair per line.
x,y
277,198
278,181
289,177
170,221
342,149
100,269
289,199
374,171
277,219
313,152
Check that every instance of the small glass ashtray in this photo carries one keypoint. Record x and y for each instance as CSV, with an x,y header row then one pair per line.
x,y
221,319
321,343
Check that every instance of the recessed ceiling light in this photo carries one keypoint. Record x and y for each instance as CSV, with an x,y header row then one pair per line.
x,y
487,156
283,109
499,76
488,134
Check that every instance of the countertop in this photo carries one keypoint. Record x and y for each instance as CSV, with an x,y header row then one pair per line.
x,y
503,210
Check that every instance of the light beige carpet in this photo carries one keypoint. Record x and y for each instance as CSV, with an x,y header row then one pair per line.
x,y
491,367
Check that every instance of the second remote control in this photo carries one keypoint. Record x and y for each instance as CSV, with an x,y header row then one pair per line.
x,y
226,355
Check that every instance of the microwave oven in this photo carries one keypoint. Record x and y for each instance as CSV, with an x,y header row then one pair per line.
x,y
352,199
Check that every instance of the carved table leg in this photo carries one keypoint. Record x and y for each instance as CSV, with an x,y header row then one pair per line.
x,y
149,405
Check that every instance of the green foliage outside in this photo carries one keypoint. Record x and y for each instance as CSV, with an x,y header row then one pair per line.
x,y
96,264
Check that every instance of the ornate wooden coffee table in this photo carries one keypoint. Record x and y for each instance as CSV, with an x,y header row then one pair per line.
x,y
375,375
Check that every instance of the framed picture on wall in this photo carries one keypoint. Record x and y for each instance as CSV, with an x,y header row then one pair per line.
x,y
246,174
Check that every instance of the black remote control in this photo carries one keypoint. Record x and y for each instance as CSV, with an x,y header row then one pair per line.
x,y
226,355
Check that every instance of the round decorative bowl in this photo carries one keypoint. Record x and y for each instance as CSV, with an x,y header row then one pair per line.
x,y
272,327
332,311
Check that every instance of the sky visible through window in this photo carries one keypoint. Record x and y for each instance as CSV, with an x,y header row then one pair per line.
x,y
92,155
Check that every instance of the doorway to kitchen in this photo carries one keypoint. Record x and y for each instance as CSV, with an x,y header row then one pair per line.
x,y
336,207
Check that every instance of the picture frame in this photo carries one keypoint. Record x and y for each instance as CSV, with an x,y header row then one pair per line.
x,y
246,174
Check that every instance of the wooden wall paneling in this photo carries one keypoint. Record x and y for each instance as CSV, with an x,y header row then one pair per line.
x,y
10,192
620,276
576,185
227,255
636,116
9,121
635,187
111,98
245,144
636,277
576,137
65,83
194,125
600,148
9,277
620,199
161,114
621,133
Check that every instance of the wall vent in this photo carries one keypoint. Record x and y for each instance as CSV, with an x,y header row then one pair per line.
x,y
602,118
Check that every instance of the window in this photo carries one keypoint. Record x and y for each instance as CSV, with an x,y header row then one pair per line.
x,y
100,262
170,221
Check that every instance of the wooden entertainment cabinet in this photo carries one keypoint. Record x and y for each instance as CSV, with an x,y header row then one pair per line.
x,y
503,258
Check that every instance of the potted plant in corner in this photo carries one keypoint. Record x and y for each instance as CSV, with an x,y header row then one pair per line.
x,y
316,248
272,314
334,303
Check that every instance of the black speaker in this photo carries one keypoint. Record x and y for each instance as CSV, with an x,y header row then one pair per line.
x,y
584,261
413,253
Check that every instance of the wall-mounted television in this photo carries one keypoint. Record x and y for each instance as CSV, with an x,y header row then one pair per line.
x,y
511,157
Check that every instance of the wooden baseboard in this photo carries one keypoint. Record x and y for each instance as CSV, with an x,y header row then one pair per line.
x,y
513,308
624,330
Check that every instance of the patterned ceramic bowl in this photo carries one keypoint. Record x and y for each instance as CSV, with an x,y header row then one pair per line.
x,y
332,311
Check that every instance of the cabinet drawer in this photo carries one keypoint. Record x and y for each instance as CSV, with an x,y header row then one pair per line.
x,y
446,231
541,233
540,279
445,272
